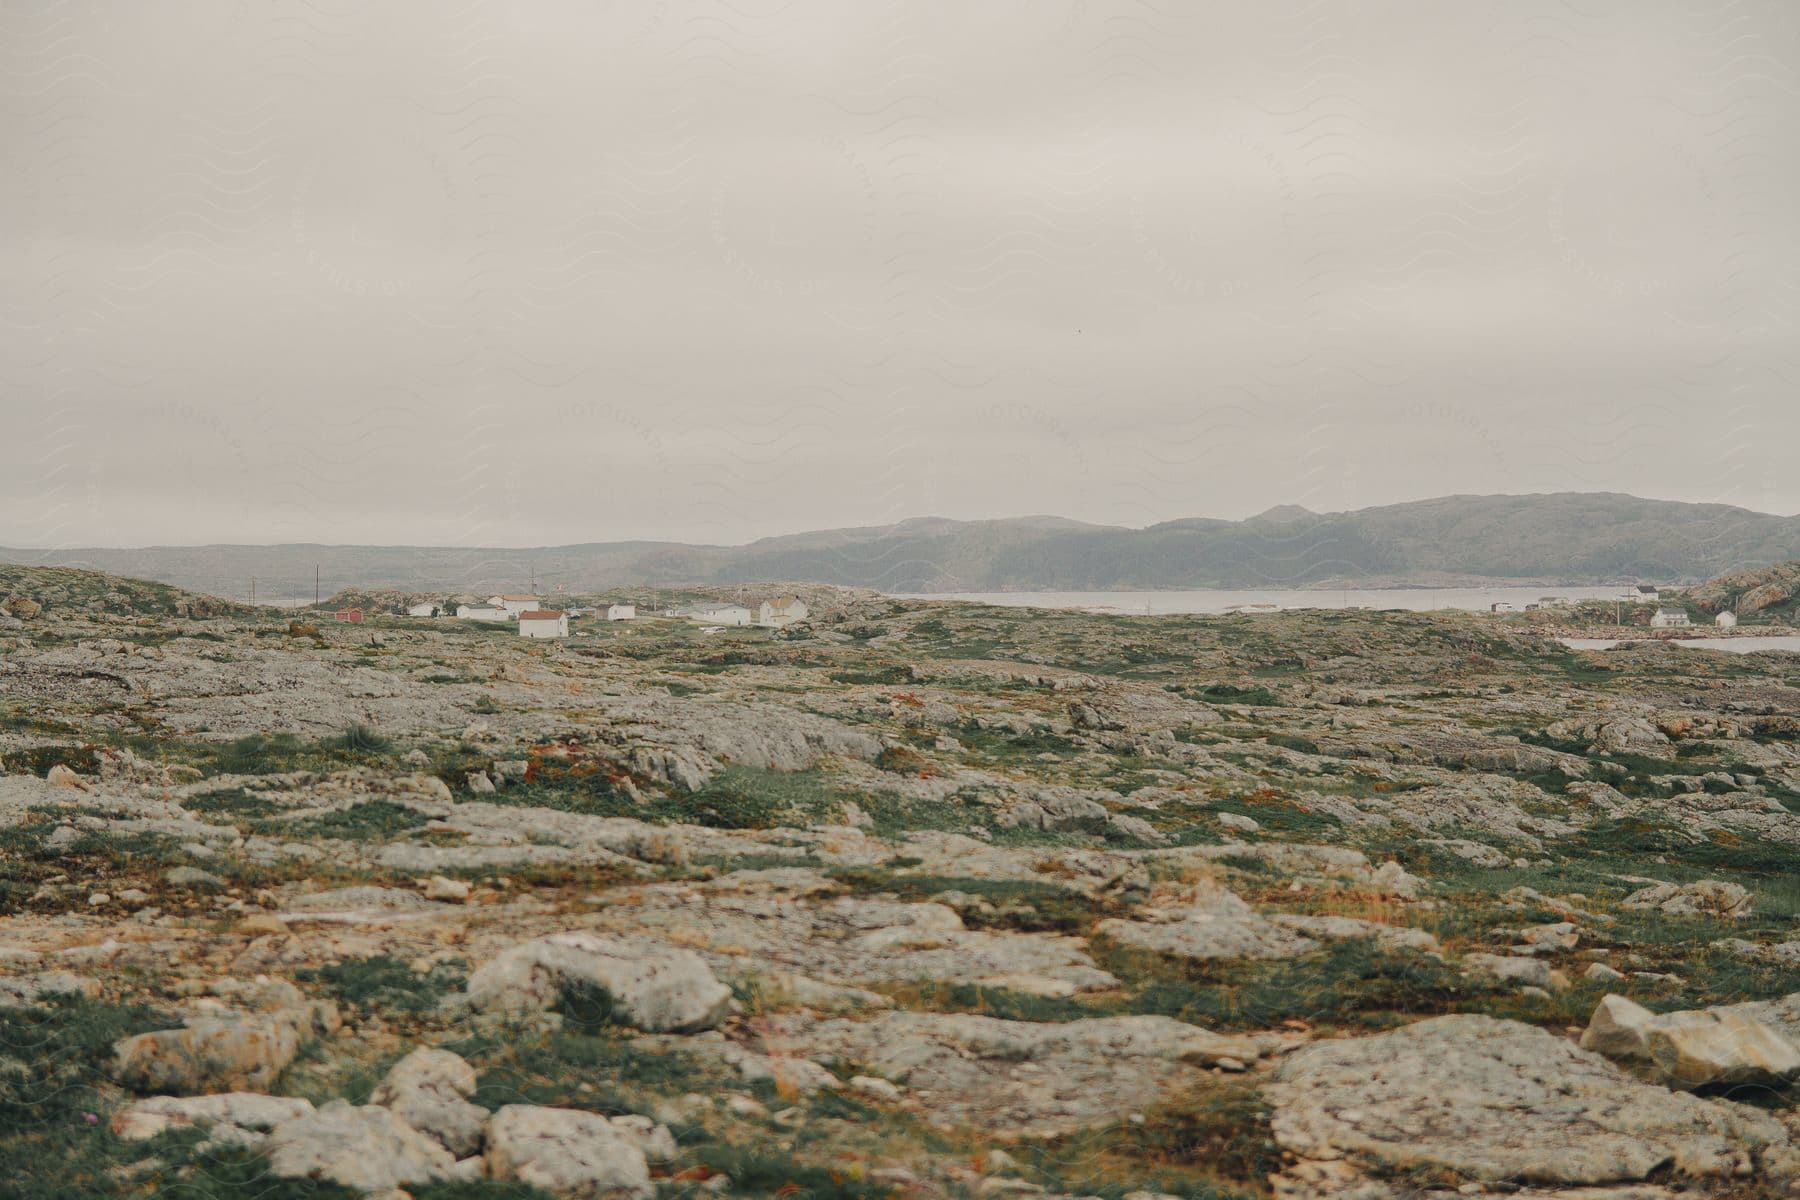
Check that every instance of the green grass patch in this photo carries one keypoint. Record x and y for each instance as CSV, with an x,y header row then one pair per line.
x,y
1023,904
370,821
1213,1142
1351,983
382,982
231,802
607,1073
54,1099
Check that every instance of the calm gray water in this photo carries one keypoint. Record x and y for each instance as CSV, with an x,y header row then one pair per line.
x,y
1211,600
1735,645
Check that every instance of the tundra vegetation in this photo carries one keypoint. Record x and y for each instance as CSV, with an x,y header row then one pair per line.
x,y
917,898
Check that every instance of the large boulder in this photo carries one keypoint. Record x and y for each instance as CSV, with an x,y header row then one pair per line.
x,y
1695,1048
429,1090
1500,1101
1509,968
236,1052
567,1152
206,1056
1703,898
1630,735
367,1148
1057,809
653,987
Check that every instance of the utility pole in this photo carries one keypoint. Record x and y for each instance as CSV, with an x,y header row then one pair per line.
x,y
253,589
315,585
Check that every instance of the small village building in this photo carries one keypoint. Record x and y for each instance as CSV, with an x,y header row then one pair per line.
x,y
1647,594
722,614
1726,620
425,610
782,610
353,615
1670,618
514,605
1501,606
482,612
544,623
621,612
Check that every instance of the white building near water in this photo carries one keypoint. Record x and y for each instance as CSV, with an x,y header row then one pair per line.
x,y
621,612
482,612
1670,618
514,605
546,623
1726,620
425,610
1646,594
782,610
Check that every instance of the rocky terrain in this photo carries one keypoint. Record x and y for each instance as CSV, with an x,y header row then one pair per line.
x,y
916,899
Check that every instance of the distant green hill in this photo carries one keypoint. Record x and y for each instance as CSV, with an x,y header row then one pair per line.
x,y
1566,538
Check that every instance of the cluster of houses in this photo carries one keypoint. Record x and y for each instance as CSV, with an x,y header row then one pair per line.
x,y
535,621
1640,594
774,613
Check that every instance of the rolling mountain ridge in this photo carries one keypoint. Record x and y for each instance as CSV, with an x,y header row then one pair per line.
x,y
1566,538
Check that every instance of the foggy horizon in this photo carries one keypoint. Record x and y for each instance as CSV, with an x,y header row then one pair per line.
x,y
527,277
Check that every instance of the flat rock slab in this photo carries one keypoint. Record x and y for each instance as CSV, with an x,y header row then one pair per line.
x,y
1215,925
862,939
1342,929
1502,1101
1019,1077
246,1112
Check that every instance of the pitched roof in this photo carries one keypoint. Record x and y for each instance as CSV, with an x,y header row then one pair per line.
x,y
541,615
518,597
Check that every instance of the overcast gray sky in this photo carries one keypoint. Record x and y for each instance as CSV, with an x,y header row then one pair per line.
x,y
575,270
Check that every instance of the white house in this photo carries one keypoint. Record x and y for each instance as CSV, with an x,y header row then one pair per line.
x,y
1501,606
722,614
1670,618
621,612
782,610
425,610
543,623
1646,594
514,605
1726,620
482,612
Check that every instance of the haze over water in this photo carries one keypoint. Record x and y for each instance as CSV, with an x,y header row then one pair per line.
x,y
1220,600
